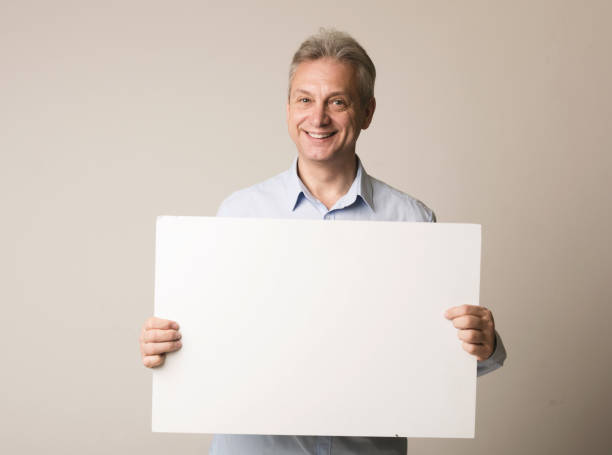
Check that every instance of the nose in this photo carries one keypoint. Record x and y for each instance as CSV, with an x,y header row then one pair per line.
x,y
319,115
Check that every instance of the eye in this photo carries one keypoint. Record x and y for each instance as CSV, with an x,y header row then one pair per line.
x,y
339,102
303,100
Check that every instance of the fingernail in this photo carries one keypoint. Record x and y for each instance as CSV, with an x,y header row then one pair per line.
x,y
179,335
178,343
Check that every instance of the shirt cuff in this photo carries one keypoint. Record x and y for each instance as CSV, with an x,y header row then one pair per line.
x,y
495,361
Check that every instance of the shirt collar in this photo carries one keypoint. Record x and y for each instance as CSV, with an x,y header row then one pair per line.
x,y
361,187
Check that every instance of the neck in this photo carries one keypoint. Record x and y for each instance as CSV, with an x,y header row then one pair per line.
x,y
328,181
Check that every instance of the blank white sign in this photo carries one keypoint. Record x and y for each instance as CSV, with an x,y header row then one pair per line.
x,y
300,327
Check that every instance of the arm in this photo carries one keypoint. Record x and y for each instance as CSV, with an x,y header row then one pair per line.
x,y
496,360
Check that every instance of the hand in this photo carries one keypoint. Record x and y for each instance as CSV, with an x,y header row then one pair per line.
x,y
476,329
157,337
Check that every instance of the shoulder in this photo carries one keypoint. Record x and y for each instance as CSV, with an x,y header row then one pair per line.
x,y
398,206
256,200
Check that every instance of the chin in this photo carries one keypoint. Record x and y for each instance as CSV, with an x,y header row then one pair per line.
x,y
321,153
317,155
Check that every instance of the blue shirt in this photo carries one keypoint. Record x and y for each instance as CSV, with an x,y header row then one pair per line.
x,y
286,196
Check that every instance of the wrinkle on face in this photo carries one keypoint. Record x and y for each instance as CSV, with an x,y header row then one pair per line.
x,y
324,116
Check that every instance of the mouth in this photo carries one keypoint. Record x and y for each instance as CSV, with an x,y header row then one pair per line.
x,y
320,136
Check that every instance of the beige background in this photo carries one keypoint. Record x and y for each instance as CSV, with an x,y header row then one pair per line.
x,y
111,113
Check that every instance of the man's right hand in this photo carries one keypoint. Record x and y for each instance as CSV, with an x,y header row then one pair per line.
x,y
157,337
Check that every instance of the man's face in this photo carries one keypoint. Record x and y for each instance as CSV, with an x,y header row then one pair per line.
x,y
324,114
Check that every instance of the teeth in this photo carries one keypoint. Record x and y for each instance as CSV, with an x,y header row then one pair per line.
x,y
319,136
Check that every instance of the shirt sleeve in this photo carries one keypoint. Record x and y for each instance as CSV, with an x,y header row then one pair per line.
x,y
496,360
223,210
231,207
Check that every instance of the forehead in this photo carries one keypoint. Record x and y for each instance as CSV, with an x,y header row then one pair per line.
x,y
324,75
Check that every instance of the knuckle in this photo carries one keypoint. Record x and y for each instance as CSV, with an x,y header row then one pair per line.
x,y
486,323
488,316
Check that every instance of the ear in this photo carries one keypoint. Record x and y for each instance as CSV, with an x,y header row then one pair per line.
x,y
368,113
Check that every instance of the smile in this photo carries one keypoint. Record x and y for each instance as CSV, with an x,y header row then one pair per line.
x,y
322,135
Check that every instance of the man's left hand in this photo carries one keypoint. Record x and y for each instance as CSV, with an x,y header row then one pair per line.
x,y
476,329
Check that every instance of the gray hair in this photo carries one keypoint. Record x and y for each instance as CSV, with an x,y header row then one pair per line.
x,y
344,48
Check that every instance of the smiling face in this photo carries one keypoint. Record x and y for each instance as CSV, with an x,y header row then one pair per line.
x,y
324,114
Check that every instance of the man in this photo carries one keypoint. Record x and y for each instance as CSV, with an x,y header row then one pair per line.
x,y
331,99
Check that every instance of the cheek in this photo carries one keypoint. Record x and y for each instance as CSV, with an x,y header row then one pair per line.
x,y
350,127
293,123
296,118
347,122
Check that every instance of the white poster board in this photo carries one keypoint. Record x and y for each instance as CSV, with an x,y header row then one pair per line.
x,y
303,327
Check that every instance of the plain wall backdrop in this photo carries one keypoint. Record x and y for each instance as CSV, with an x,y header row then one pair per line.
x,y
112,113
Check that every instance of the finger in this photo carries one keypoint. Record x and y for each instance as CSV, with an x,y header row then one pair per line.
x,y
161,348
463,310
158,323
480,351
157,335
152,361
469,322
472,336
